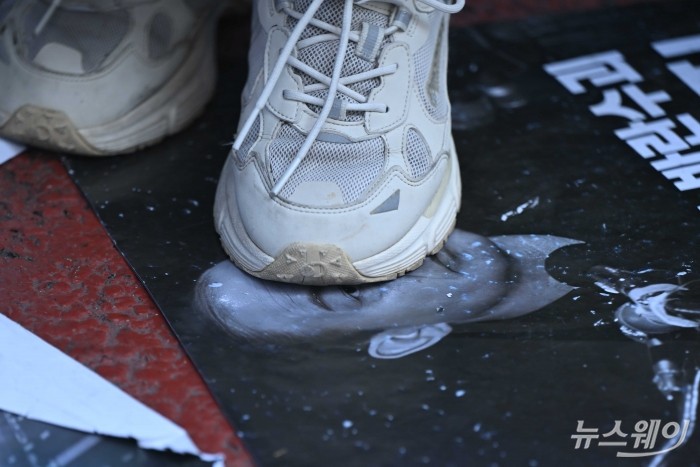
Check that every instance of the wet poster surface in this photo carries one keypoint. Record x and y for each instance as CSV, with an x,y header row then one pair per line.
x,y
25,442
559,321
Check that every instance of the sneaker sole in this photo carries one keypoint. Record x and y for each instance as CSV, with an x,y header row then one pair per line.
x,y
321,264
173,107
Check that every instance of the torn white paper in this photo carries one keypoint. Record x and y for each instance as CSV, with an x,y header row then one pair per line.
x,y
8,150
42,383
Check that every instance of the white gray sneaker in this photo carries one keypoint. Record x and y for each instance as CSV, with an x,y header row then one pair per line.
x,y
343,169
104,77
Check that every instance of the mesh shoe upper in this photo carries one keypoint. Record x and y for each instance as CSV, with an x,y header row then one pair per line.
x,y
352,167
323,54
350,163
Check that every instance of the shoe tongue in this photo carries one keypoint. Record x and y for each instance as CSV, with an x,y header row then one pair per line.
x,y
322,56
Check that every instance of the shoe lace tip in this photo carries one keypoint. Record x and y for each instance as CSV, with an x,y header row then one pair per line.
x,y
237,143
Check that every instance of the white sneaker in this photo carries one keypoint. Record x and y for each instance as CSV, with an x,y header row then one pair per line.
x,y
104,76
344,169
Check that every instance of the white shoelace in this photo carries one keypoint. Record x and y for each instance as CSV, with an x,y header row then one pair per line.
x,y
333,83
47,16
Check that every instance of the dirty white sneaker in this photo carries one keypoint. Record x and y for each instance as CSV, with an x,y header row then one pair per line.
x,y
104,76
343,169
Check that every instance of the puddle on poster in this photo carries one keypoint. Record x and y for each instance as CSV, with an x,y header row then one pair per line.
x,y
473,278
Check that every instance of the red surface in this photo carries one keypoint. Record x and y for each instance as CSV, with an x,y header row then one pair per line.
x,y
62,278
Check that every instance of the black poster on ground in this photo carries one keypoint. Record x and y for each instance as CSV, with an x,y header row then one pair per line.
x,y
558,323
26,442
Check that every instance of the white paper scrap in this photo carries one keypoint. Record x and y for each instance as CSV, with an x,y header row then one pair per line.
x,y
42,383
8,150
